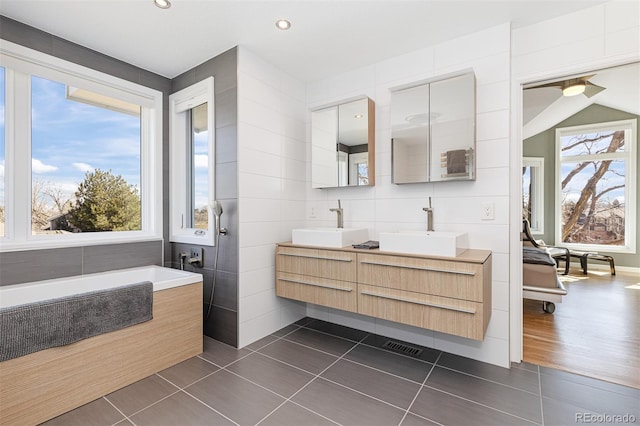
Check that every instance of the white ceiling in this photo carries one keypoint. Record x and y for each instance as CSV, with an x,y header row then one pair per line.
x,y
327,37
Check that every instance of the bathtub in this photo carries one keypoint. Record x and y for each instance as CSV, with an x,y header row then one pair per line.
x,y
45,384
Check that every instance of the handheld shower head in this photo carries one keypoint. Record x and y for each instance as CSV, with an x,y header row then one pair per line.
x,y
216,209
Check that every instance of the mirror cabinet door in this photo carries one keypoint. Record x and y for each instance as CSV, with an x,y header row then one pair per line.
x,y
410,135
342,145
433,131
324,138
453,128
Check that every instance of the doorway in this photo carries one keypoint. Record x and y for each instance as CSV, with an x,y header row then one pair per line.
x,y
596,330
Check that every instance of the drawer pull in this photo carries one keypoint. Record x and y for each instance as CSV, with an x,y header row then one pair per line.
x,y
347,289
421,268
419,302
311,256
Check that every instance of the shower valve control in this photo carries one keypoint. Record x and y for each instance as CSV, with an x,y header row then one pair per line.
x,y
196,256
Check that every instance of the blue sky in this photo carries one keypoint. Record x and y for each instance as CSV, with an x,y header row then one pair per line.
x,y
70,138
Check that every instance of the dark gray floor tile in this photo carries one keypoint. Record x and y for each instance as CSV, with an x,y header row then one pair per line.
x,y
323,342
388,388
243,402
273,375
516,377
141,394
400,365
590,398
286,330
291,414
220,353
448,409
261,343
188,371
304,321
589,381
124,422
179,409
513,401
428,354
413,420
560,413
299,356
525,366
98,412
337,330
345,406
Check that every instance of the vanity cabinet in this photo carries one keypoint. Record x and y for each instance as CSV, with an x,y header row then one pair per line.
x,y
450,295
321,277
447,296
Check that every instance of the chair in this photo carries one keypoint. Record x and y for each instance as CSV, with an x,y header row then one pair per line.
x,y
557,253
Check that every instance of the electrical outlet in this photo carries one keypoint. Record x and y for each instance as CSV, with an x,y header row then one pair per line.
x,y
196,255
487,211
312,213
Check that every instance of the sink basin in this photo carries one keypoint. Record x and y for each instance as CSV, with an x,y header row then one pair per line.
x,y
436,243
329,237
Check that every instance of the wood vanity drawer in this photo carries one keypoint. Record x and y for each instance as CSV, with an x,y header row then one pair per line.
x,y
459,280
337,265
447,315
320,291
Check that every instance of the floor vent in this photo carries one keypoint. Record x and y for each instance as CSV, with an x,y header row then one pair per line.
x,y
402,348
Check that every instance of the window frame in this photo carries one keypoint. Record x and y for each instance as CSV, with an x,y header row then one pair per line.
x,y
628,155
537,204
179,103
20,64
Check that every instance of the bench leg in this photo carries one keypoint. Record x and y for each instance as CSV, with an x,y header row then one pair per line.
x,y
612,267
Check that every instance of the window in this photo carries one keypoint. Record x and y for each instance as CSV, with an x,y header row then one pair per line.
x,y
596,186
192,164
533,193
91,170
2,155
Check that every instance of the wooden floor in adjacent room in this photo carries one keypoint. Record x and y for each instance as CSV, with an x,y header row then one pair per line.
x,y
594,332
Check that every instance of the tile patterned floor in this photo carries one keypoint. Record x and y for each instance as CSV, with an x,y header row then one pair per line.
x,y
317,373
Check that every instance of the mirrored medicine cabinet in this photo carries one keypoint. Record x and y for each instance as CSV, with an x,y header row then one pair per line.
x,y
343,144
433,130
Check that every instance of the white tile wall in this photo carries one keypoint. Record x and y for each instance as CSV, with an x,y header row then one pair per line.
x,y
388,207
271,189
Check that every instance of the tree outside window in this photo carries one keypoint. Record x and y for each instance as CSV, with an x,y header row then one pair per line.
x,y
595,181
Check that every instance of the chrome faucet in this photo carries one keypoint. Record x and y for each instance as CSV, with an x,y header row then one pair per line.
x,y
339,211
429,211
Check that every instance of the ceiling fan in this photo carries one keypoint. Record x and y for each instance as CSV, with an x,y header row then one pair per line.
x,y
576,86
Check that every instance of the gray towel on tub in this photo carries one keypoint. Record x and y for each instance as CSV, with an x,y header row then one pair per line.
x,y
32,327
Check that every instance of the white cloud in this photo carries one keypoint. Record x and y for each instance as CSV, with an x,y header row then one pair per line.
x,y
201,161
38,167
83,167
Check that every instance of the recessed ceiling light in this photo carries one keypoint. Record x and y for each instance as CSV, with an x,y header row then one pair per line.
x,y
358,116
162,4
283,24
